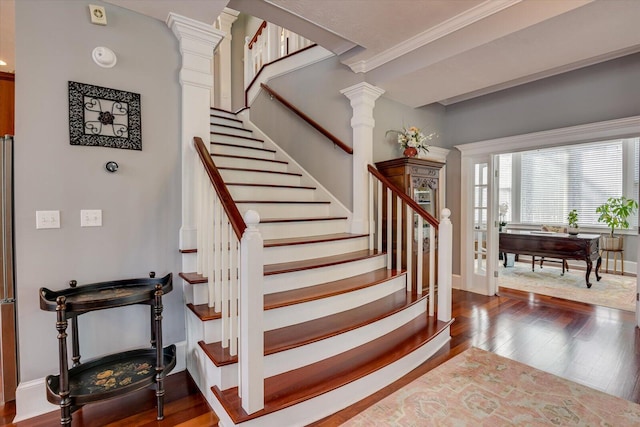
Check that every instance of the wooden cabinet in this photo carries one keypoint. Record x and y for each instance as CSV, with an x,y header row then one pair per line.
x,y
423,181
115,374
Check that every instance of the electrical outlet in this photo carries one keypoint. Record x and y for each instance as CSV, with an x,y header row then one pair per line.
x,y
47,219
91,218
98,15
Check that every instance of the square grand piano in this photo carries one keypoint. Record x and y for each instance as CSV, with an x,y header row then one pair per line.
x,y
584,247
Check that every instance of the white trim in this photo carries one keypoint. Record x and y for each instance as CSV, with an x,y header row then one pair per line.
x,y
31,396
618,128
291,63
469,17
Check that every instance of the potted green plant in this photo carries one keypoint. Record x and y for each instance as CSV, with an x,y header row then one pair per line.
x,y
615,213
573,222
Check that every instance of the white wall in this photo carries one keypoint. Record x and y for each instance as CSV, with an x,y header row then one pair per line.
x,y
140,203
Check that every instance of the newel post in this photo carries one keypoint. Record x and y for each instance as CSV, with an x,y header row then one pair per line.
x,y
197,42
445,258
251,339
363,99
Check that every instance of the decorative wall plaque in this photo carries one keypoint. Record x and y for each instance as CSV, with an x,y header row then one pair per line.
x,y
104,117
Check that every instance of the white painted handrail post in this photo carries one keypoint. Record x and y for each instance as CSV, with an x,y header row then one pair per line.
x,y
363,97
251,345
445,258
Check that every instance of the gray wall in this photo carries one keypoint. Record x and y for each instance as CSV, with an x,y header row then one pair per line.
x,y
140,203
322,101
601,92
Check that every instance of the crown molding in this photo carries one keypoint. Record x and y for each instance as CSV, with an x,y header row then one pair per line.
x,y
456,23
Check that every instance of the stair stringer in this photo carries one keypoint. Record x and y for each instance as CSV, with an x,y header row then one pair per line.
x,y
311,410
337,208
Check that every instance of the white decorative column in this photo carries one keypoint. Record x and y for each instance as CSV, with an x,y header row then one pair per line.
x,y
197,43
363,98
273,42
225,21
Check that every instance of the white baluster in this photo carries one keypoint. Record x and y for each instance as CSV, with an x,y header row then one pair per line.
x,y
432,269
224,279
379,219
233,280
419,257
409,254
371,211
389,231
398,233
209,242
216,254
445,256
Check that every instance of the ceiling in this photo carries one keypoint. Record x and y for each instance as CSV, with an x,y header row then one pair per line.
x,y
446,51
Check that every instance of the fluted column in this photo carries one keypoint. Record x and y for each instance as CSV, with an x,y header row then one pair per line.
x,y
197,42
225,21
363,98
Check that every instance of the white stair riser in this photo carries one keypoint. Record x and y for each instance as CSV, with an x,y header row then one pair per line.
x,y
223,113
315,276
248,177
208,330
278,254
232,162
224,377
199,292
286,210
314,409
283,230
303,312
230,130
239,192
242,151
298,357
236,140
226,121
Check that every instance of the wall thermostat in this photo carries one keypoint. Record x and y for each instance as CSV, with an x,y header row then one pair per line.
x,y
98,15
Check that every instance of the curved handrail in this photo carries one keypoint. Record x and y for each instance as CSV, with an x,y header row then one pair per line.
x,y
308,119
408,200
235,218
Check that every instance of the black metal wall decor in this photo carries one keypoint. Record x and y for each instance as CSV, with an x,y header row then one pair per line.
x,y
104,117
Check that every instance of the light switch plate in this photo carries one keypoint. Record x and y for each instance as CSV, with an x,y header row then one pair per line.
x,y
91,218
47,219
98,15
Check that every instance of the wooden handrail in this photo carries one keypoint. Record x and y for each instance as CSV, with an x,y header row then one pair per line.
x,y
308,119
408,200
257,34
235,218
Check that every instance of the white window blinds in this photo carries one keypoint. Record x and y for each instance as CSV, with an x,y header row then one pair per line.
x,y
557,180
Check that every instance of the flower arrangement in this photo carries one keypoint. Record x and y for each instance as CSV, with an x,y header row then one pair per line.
x,y
412,140
503,209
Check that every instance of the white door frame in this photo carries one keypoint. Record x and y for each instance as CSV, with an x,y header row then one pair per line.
x,y
611,129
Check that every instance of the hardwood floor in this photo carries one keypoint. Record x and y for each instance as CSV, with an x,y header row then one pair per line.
x,y
595,346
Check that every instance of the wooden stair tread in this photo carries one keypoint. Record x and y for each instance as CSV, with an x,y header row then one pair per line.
x,y
307,264
241,146
297,187
300,334
237,136
204,312
320,218
193,278
328,289
296,202
290,388
258,170
270,243
229,156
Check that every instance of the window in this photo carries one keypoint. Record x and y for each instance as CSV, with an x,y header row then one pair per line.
x,y
553,181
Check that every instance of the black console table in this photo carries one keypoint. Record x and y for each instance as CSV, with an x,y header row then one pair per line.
x,y
112,375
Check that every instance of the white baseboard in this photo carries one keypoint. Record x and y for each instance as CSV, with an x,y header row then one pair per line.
x,y
31,396
456,281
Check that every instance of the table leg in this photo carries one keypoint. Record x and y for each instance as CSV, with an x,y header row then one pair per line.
x,y
589,267
598,263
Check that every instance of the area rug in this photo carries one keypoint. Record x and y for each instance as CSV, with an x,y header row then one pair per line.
x,y
612,290
479,388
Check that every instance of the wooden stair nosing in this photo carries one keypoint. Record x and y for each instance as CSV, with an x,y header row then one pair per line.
x,y
193,278
257,170
237,136
296,187
329,289
268,150
307,264
204,312
293,202
229,156
315,330
292,241
299,385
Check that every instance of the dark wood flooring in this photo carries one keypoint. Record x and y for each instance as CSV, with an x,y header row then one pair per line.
x,y
595,346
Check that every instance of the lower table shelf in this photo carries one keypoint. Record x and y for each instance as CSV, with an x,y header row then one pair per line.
x,y
110,376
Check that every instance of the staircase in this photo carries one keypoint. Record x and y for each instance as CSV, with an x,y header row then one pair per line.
x,y
338,324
